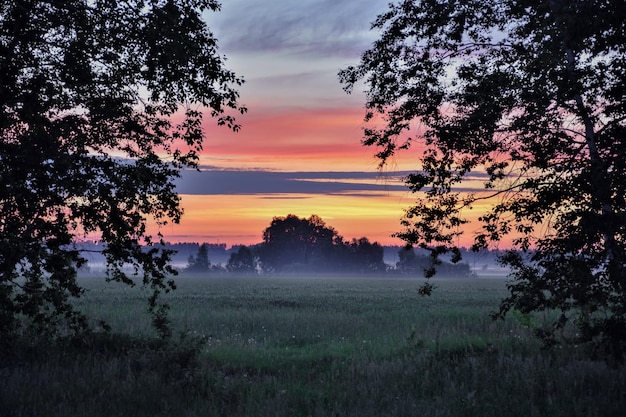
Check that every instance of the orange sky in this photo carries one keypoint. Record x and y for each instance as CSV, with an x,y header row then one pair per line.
x,y
291,140
241,219
299,150
236,219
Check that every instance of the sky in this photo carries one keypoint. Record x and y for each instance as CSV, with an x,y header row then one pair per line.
x,y
299,149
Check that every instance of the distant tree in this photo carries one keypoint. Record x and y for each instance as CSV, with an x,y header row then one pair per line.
x,y
528,97
299,244
410,263
101,106
293,240
199,263
365,256
242,261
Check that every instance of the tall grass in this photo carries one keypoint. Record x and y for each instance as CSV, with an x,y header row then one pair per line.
x,y
308,346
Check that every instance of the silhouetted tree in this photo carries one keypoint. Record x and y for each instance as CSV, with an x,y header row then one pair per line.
x,y
101,106
528,97
291,240
364,256
199,263
242,261
410,263
298,244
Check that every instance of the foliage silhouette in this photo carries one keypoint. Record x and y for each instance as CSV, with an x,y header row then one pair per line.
x,y
101,106
410,263
293,244
242,261
365,256
291,240
199,263
528,98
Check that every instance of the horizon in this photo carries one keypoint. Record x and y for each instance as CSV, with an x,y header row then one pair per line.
x,y
299,122
299,149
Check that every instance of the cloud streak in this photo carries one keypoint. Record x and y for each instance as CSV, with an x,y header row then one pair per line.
x,y
290,52
282,185
257,182
311,27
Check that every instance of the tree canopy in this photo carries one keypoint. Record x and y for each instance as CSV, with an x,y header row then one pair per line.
x,y
243,261
199,263
529,99
361,255
297,244
293,240
101,105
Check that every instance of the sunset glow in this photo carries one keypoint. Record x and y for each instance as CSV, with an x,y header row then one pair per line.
x,y
241,219
299,149
291,140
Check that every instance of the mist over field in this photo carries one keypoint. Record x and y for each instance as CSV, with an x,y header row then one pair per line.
x,y
481,264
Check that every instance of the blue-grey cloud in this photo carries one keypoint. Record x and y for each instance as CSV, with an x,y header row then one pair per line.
x,y
212,181
296,185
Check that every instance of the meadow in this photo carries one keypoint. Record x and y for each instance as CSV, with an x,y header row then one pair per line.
x,y
309,346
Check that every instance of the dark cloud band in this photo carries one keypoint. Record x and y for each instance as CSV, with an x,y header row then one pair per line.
x,y
214,181
268,182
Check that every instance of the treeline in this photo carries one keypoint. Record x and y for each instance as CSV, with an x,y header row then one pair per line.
x,y
297,245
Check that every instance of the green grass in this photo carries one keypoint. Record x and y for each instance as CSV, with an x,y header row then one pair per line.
x,y
308,346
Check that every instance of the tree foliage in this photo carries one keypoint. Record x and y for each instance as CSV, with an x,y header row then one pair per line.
x,y
292,244
529,99
243,261
101,105
199,263
292,240
411,263
361,255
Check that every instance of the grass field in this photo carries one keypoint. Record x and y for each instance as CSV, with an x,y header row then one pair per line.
x,y
309,346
